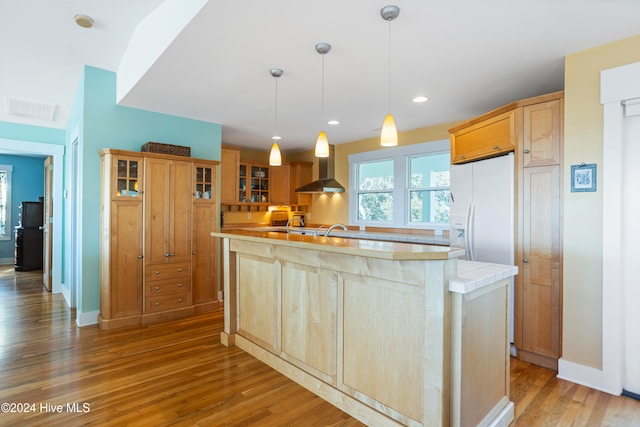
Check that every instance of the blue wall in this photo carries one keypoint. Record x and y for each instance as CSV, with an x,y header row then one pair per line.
x,y
27,184
103,124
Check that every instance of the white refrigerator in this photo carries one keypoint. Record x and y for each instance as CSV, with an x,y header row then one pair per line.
x,y
482,211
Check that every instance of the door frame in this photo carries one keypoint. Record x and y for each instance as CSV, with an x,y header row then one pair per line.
x,y
30,148
617,85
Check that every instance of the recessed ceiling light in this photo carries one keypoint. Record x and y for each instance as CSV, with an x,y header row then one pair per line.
x,y
85,21
419,99
333,122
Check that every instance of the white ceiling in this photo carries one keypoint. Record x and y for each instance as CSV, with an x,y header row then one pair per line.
x,y
467,56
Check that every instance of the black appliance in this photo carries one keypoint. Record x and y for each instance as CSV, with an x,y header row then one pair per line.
x,y
28,237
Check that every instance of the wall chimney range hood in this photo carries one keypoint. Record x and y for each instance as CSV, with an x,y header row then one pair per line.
x,y
326,172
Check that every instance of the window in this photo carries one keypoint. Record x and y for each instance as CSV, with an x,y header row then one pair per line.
x,y
401,187
5,201
429,189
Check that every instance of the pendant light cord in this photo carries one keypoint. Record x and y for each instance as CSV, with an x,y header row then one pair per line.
x,y
322,93
275,120
389,72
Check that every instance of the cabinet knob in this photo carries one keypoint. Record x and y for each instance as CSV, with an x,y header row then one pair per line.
x,y
526,151
525,260
179,299
140,256
179,270
171,255
157,288
179,285
157,304
156,272
495,147
193,253
167,255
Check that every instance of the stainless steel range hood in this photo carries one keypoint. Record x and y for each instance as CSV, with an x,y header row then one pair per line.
x,y
326,182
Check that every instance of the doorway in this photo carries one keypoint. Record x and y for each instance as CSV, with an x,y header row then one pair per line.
x,y
28,148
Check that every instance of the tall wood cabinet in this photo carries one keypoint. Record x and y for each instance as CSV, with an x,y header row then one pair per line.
x,y
533,129
158,259
538,292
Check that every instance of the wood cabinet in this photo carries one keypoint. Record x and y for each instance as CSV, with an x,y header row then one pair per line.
x,y
121,248
158,259
483,138
533,128
204,254
284,181
301,174
538,286
229,165
254,182
167,210
258,184
280,179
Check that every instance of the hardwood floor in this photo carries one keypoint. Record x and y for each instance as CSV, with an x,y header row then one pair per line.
x,y
177,373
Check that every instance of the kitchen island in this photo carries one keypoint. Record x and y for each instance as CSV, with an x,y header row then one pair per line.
x,y
372,326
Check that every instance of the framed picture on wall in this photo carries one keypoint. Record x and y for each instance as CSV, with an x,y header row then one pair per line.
x,y
583,177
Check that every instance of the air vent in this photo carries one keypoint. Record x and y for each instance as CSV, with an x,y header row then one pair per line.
x,y
29,109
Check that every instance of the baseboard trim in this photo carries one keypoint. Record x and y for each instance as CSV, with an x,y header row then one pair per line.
x,y
583,375
88,318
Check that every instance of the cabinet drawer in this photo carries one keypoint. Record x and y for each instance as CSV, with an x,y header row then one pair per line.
x,y
167,271
167,302
491,137
164,287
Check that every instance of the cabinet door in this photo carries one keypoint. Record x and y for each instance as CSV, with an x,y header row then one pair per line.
x,y
229,165
167,210
280,184
309,319
488,138
125,260
540,298
301,173
542,133
180,202
205,253
156,211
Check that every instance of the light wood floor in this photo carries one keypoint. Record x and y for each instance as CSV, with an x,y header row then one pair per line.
x,y
178,374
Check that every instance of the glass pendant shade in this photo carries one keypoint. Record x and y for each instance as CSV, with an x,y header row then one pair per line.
x,y
322,145
389,133
275,158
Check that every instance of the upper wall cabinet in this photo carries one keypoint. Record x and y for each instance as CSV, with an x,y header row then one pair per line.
x,y
488,137
256,185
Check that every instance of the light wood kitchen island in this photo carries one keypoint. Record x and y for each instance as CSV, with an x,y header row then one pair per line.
x,y
373,327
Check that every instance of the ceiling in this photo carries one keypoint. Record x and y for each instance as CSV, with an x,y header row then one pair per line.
x,y
467,56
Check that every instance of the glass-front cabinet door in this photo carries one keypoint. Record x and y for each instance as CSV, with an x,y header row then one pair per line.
x,y
203,182
128,177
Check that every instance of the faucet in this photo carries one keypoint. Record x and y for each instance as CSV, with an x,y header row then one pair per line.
x,y
330,229
294,219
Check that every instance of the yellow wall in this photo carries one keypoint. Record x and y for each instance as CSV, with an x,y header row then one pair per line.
x,y
582,307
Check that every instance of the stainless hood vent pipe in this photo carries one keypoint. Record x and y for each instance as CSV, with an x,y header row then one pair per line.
x,y
326,182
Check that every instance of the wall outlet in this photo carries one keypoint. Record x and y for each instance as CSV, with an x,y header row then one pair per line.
x,y
220,296
248,215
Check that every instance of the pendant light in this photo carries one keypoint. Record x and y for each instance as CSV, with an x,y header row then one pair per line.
x,y
322,144
275,158
389,133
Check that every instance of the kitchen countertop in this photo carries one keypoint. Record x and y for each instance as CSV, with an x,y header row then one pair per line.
x,y
473,275
338,244
424,239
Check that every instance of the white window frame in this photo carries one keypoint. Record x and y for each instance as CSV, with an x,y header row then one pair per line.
x,y
400,192
7,235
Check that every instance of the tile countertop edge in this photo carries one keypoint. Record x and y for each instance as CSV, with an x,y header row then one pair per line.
x,y
473,275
